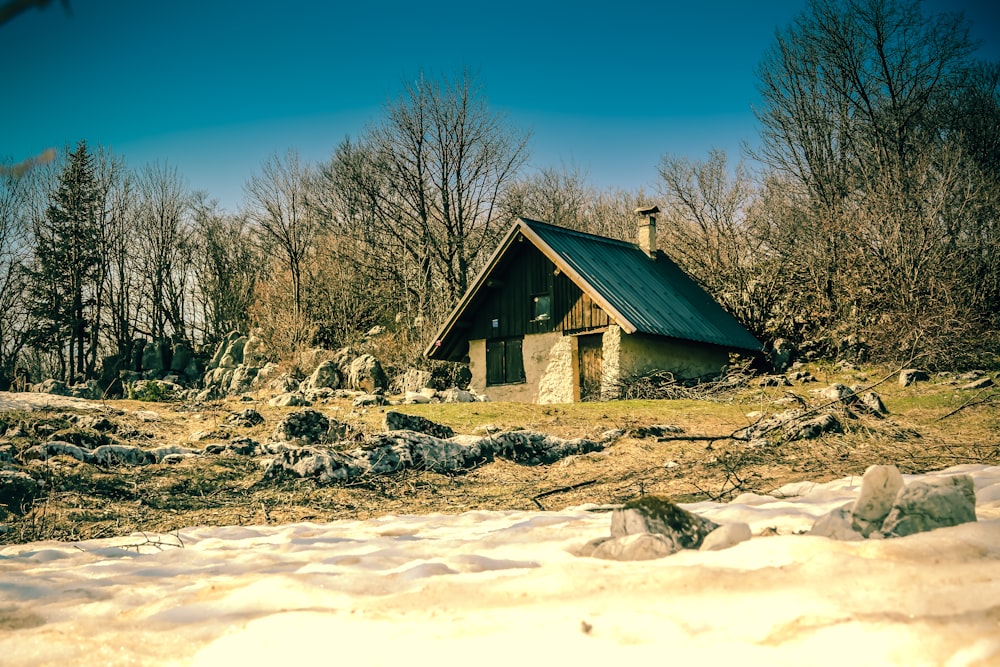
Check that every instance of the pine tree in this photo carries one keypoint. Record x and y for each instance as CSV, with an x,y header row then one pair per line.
x,y
66,263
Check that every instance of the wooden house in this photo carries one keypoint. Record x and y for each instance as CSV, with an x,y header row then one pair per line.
x,y
558,316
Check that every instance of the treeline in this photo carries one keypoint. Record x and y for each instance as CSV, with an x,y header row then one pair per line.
x,y
872,215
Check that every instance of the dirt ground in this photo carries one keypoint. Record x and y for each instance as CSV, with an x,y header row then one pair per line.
x,y
930,425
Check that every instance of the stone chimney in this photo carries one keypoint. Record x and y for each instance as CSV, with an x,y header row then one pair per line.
x,y
647,229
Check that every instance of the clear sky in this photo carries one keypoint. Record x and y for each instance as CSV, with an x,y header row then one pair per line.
x,y
214,88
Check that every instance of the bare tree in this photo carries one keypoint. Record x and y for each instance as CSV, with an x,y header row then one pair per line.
x,y
164,248
15,253
276,206
421,189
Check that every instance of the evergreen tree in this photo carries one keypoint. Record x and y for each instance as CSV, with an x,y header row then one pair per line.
x,y
66,264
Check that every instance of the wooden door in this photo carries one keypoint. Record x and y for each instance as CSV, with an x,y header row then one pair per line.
x,y
590,355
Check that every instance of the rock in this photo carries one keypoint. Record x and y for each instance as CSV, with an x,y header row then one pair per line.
x,y
773,381
801,376
908,376
655,431
815,427
369,400
254,350
781,354
243,447
326,375
48,450
837,524
51,386
971,375
932,503
397,421
246,418
366,374
81,437
413,380
390,452
174,452
652,514
241,379
531,448
879,487
304,427
456,395
18,490
114,455
837,392
981,383
291,399
639,546
872,403
416,398
725,536
181,355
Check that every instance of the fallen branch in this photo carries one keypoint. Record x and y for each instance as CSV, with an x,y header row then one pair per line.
x,y
561,489
989,400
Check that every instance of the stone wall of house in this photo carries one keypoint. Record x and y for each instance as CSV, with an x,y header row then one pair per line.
x,y
639,354
548,371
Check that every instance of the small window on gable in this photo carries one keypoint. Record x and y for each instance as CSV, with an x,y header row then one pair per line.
x,y
541,307
504,362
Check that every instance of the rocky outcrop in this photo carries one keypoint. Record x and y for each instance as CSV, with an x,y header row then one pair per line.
x,y
397,421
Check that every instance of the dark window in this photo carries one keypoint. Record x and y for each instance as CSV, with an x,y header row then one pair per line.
x,y
541,307
504,361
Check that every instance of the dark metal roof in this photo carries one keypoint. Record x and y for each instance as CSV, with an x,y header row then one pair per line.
x,y
640,294
651,297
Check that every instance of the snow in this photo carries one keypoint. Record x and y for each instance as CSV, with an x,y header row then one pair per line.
x,y
504,588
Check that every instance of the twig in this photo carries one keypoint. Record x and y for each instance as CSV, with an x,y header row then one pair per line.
x,y
561,489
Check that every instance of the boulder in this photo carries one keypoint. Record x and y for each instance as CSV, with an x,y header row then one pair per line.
x,y
879,487
872,403
48,450
815,427
302,428
653,514
51,386
532,448
289,399
115,455
639,546
246,418
413,380
397,421
981,383
17,491
908,376
837,524
254,350
366,374
326,376
781,354
725,536
369,400
456,395
931,503
416,398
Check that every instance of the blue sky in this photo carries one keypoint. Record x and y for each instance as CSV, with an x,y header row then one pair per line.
x,y
214,88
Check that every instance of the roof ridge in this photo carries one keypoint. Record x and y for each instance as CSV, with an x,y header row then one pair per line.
x,y
573,232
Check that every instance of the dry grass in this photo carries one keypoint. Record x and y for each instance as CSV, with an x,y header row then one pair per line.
x,y
83,501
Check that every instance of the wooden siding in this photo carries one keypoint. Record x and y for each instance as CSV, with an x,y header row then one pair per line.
x,y
525,273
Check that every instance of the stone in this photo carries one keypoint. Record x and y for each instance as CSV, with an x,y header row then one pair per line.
x,y
838,392
241,380
369,401
48,450
837,524
652,514
181,356
879,487
532,448
655,431
981,383
773,381
872,403
326,376
639,546
254,350
51,386
781,354
931,503
289,399
366,374
416,398
815,427
302,428
725,536
908,376
18,490
115,455
246,418
398,421
412,380
456,395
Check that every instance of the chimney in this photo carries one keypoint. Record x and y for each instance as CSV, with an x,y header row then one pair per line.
x,y
647,229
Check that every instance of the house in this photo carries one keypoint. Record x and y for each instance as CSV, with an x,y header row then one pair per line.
x,y
558,316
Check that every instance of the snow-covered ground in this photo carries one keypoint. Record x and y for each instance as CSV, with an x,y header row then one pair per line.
x,y
504,588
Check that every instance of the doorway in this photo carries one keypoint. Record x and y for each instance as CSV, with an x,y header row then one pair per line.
x,y
590,357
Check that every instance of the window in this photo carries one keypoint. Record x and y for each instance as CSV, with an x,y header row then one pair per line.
x,y
541,307
504,363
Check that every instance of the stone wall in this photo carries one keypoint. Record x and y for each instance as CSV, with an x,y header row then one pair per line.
x,y
548,371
